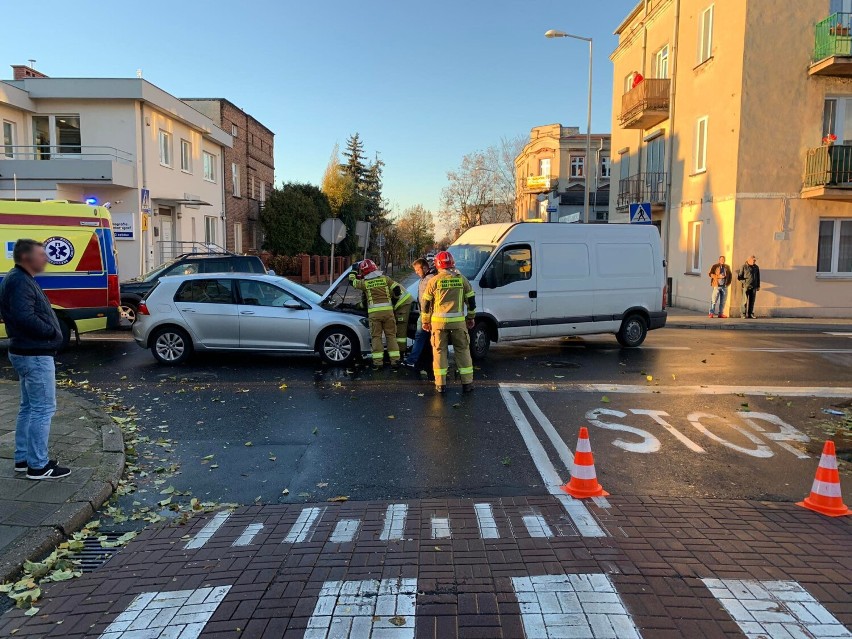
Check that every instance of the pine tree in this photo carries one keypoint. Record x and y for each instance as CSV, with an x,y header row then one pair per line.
x,y
372,190
355,166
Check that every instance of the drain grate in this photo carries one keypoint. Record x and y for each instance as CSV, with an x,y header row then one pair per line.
x,y
93,556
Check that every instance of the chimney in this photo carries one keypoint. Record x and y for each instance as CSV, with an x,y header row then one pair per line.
x,y
23,71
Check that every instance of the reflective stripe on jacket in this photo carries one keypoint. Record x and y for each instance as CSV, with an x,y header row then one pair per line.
x,y
445,298
378,291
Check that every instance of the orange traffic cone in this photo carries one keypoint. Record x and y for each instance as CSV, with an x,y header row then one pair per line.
x,y
584,481
825,494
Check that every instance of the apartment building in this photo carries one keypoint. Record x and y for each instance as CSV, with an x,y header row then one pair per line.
x,y
158,161
249,171
552,175
734,120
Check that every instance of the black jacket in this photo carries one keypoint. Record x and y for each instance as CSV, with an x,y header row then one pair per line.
x,y
749,275
31,324
720,270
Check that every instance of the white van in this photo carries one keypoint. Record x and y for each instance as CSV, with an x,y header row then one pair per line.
x,y
553,280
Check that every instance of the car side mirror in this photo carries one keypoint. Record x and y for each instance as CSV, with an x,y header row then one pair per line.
x,y
488,279
270,272
294,305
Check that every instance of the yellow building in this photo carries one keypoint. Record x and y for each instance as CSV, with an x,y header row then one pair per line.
x,y
551,172
734,120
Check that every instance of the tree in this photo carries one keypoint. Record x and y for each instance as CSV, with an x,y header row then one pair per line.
x,y
355,166
338,186
372,190
416,230
291,217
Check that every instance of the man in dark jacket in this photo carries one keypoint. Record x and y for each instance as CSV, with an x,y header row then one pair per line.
x,y
34,337
749,275
720,280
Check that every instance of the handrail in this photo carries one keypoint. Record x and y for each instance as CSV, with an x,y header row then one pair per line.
x,y
829,165
833,36
63,152
649,94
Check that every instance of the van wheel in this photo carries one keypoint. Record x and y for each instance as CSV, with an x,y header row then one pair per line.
x,y
633,331
338,346
171,345
127,312
479,341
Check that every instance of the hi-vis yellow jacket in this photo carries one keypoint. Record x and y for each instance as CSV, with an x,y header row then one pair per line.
x,y
445,298
377,290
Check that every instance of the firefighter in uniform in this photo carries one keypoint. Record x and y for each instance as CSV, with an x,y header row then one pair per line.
x,y
402,310
377,289
444,302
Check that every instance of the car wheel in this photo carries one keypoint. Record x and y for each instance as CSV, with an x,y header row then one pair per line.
x,y
479,341
171,345
127,312
633,331
338,346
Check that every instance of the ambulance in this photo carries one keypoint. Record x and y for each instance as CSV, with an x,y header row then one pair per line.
x,y
81,278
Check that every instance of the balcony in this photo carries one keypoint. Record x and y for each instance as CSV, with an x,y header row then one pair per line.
x,y
66,164
642,187
833,46
828,173
646,104
541,183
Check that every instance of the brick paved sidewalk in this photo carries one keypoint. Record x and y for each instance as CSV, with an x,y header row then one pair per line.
x,y
442,569
35,516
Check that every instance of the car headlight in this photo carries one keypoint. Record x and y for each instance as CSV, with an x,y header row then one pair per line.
x,y
364,321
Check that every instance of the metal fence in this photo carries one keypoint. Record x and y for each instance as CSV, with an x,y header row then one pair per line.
x,y
642,187
829,166
833,36
64,152
170,250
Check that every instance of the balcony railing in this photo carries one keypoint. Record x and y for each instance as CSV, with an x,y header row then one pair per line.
x,y
642,187
64,152
646,104
833,36
829,166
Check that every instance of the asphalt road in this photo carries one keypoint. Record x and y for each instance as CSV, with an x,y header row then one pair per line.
x,y
284,429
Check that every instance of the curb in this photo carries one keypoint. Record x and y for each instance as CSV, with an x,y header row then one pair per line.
x,y
752,325
74,513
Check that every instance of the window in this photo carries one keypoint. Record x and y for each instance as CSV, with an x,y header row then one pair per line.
x,y
234,130
512,264
252,185
165,148
837,119
238,237
58,134
544,166
210,224
186,156
834,250
209,166
217,291
253,293
693,258
705,35
628,82
624,166
235,179
184,268
701,145
578,165
262,197
661,63
9,136
655,152
840,6
606,167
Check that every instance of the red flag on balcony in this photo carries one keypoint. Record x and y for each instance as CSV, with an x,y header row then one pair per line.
x,y
637,78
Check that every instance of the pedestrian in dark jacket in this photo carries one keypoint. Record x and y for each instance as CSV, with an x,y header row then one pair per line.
x,y
34,337
749,275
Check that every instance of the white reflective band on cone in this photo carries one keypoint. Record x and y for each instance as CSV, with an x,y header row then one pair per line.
x,y
828,461
826,489
583,472
583,445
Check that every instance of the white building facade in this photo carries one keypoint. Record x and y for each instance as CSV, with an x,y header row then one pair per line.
x,y
158,161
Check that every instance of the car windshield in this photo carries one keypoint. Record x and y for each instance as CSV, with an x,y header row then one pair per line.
x,y
300,291
470,258
155,272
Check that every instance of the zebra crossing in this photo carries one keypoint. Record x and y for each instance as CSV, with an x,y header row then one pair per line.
x,y
483,520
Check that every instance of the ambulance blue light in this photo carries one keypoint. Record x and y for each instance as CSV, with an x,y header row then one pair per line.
x,y
92,201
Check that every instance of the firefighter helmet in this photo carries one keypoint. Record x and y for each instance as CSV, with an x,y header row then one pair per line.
x,y
444,260
365,267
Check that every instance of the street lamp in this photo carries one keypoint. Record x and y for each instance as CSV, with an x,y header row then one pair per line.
x,y
553,33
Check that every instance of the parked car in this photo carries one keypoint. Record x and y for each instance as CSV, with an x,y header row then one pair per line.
x,y
553,280
247,312
132,291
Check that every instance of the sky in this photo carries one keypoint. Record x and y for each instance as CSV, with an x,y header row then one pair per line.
x,y
423,83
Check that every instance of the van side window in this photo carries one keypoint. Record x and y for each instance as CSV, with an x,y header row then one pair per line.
x,y
206,292
512,264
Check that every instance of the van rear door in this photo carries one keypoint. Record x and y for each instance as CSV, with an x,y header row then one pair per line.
x,y
509,290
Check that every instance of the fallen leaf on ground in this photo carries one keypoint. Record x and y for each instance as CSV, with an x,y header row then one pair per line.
x,y
605,399
283,387
248,444
397,621
286,491
322,484
340,498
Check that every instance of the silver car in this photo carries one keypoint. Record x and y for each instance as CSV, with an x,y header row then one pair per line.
x,y
246,312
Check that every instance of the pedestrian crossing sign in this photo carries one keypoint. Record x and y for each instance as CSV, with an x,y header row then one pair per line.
x,y
640,213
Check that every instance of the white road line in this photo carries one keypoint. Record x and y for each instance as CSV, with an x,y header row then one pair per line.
x,y
485,520
741,349
441,528
364,609
248,535
394,522
303,525
583,605
641,389
579,514
175,613
210,528
775,609
838,334
345,530
537,526
559,444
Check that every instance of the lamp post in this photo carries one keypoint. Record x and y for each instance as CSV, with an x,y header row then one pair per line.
x,y
552,33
